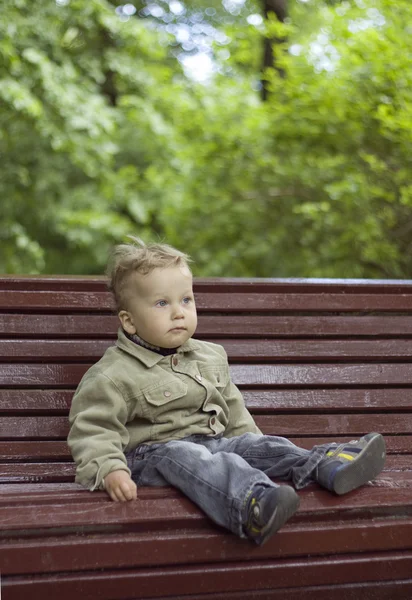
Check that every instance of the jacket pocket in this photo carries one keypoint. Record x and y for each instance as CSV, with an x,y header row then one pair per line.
x,y
218,376
165,392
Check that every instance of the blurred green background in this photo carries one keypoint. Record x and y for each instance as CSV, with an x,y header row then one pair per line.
x,y
151,118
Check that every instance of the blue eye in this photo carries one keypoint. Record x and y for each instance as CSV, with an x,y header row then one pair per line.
x,y
186,300
161,303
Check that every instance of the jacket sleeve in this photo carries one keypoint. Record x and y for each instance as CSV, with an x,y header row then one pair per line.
x,y
97,434
240,419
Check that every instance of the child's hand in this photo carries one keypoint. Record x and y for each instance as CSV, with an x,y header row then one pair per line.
x,y
120,486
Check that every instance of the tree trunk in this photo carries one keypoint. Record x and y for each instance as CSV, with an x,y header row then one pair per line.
x,y
279,7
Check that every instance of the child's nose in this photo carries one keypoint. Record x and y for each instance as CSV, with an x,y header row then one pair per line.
x,y
177,312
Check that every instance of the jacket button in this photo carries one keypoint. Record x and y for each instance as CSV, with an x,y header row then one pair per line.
x,y
213,420
167,393
199,377
175,361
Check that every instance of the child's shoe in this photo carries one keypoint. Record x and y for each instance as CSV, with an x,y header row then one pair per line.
x,y
268,509
353,464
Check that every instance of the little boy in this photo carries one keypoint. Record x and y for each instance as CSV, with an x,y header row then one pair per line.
x,y
160,409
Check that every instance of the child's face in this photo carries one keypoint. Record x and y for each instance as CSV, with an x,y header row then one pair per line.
x,y
161,307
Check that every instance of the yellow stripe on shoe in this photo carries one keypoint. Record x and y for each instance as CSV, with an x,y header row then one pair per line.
x,y
347,456
342,455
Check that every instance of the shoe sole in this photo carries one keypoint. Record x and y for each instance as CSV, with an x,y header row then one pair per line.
x,y
366,466
288,504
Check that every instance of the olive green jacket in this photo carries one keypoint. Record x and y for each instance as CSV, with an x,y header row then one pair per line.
x,y
134,396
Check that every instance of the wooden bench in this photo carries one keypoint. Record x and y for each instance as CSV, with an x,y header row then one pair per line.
x,y
316,361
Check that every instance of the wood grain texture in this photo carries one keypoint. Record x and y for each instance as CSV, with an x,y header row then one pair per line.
x,y
95,326
303,302
238,350
54,428
18,451
43,472
393,590
53,402
321,375
34,428
317,361
172,511
216,285
396,484
139,550
214,578
23,401
342,424
329,400
251,375
21,451
217,301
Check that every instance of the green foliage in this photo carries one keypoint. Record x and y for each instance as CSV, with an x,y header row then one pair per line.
x,y
102,135
75,84
348,138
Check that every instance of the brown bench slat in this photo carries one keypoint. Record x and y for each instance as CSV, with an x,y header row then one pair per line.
x,y
95,283
37,472
58,450
61,301
285,425
59,472
399,463
27,493
394,444
243,326
65,472
56,301
251,350
315,326
34,427
256,375
331,302
58,493
321,375
325,350
342,424
53,375
29,401
399,589
60,326
258,401
35,450
214,578
142,515
54,350
30,492
238,285
77,553
222,302
377,499
356,400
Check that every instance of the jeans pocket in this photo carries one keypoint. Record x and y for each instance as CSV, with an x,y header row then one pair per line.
x,y
136,462
136,455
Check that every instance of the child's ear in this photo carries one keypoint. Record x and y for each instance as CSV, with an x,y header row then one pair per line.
x,y
127,322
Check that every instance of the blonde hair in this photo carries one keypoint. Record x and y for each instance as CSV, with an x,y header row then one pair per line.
x,y
138,257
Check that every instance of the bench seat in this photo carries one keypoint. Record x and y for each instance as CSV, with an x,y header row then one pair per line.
x,y
316,360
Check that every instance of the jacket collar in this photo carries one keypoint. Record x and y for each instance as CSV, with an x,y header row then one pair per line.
x,y
148,357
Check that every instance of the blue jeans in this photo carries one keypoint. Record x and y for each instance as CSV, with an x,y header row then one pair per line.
x,y
219,474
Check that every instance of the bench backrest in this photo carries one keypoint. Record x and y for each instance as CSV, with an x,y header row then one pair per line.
x,y
315,360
